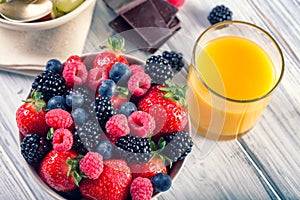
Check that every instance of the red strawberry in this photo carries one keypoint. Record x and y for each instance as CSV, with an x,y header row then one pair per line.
x,y
30,116
163,99
55,171
113,183
176,3
73,58
119,98
149,169
107,59
122,59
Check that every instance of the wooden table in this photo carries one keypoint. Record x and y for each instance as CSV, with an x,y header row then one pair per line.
x,y
264,164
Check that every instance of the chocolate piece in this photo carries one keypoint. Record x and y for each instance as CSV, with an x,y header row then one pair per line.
x,y
122,6
146,15
175,24
166,10
121,26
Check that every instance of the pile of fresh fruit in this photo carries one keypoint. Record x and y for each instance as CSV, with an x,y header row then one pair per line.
x,y
106,129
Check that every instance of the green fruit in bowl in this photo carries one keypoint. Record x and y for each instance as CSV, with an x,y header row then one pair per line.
x,y
67,6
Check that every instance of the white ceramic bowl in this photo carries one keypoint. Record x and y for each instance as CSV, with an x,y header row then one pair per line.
x,y
37,42
173,172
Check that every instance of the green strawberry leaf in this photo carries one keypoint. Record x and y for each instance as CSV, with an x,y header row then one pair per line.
x,y
74,169
50,134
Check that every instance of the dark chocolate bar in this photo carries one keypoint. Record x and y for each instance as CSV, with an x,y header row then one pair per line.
x,y
121,26
166,10
122,6
146,15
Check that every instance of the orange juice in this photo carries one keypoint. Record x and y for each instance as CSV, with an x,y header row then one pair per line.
x,y
225,96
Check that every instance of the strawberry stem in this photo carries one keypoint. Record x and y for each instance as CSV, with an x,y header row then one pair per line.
x,y
36,100
156,150
74,169
175,92
115,44
50,134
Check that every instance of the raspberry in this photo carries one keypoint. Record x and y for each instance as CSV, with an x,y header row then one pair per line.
x,y
75,73
141,189
95,77
58,118
117,126
62,140
141,124
139,83
136,68
92,165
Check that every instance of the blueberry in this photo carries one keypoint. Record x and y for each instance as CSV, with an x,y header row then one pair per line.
x,y
54,65
120,73
105,148
79,115
56,102
161,182
127,108
107,88
74,100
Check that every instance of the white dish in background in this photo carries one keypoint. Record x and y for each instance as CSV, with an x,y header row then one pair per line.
x,y
37,42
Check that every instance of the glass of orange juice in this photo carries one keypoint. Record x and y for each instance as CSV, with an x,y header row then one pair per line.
x,y
234,70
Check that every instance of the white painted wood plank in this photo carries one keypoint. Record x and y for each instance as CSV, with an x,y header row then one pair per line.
x,y
274,142
17,182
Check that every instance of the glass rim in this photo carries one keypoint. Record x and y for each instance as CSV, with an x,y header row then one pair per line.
x,y
255,27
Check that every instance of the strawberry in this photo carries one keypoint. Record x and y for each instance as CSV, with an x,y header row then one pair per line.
x,y
108,58
30,116
55,171
167,103
105,60
119,97
176,3
113,183
122,59
149,169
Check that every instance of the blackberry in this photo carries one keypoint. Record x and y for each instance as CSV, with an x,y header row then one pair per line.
x,y
50,84
219,14
178,145
78,145
86,93
158,69
175,60
90,134
104,110
34,147
134,149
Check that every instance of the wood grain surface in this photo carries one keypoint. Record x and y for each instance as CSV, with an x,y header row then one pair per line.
x,y
264,164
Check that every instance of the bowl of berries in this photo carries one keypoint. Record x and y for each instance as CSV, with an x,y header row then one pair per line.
x,y
106,126
37,41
